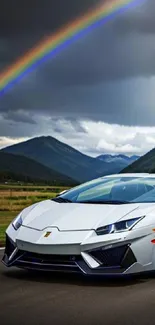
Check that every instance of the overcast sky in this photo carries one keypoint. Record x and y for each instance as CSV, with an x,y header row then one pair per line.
x,y
97,95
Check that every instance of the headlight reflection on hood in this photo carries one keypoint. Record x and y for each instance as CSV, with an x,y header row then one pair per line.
x,y
120,226
17,222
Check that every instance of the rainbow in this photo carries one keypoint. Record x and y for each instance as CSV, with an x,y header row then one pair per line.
x,y
58,41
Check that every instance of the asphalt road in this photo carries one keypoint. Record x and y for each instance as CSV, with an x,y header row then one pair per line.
x,y
64,299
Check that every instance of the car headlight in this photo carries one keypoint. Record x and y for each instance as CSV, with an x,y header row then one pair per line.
x,y
17,222
120,226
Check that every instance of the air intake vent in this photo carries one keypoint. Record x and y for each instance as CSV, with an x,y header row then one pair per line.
x,y
109,257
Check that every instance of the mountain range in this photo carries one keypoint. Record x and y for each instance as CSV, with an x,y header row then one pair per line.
x,y
122,160
145,164
59,160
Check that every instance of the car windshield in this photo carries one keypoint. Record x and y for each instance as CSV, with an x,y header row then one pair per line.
x,y
112,190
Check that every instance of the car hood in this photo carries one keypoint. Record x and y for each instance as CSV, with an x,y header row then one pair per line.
x,y
75,216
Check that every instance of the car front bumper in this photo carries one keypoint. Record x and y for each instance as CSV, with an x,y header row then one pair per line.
x,y
80,251
116,260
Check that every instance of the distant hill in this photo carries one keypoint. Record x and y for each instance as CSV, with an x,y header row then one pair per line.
x,y
19,168
63,158
145,164
121,160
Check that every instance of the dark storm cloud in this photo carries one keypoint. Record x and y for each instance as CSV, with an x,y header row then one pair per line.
x,y
24,24
74,124
18,116
38,15
128,102
89,80
142,21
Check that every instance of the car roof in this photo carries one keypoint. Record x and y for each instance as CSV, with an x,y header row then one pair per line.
x,y
131,175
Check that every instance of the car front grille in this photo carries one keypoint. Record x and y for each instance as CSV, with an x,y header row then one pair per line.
x,y
48,262
49,259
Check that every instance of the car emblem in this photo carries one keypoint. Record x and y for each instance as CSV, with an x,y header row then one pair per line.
x,y
47,234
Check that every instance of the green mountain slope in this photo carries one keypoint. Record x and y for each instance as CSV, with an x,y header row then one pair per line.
x,y
145,164
19,168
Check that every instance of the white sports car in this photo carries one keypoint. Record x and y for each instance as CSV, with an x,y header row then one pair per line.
x,y
106,226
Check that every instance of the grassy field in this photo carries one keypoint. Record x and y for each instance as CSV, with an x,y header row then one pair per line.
x,y
14,198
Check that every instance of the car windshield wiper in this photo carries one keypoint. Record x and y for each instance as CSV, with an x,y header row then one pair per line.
x,y
61,200
105,202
